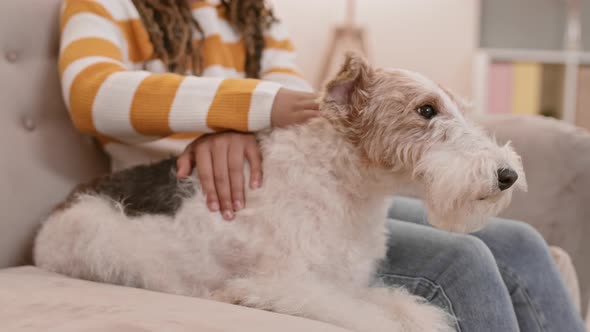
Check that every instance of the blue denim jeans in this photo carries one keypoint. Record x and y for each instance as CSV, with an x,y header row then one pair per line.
x,y
499,279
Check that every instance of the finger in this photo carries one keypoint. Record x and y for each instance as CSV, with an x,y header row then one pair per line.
x,y
185,163
205,172
254,158
221,177
303,116
309,95
236,175
311,104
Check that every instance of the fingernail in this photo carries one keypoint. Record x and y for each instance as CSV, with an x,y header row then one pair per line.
x,y
228,215
255,184
237,205
214,206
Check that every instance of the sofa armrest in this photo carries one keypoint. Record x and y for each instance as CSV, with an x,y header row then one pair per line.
x,y
568,272
556,158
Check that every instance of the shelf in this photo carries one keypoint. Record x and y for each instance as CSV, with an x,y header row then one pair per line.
x,y
542,56
572,61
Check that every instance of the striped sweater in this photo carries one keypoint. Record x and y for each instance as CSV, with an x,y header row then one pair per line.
x,y
117,91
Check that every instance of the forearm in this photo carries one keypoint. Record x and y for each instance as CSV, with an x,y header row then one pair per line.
x,y
133,106
106,98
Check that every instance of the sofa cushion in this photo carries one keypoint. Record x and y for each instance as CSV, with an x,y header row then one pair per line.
x,y
35,300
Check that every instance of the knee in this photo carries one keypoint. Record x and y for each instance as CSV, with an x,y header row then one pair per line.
x,y
524,234
472,265
471,253
471,247
522,239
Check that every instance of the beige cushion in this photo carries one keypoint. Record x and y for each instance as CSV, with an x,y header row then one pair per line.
x,y
568,272
43,157
35,300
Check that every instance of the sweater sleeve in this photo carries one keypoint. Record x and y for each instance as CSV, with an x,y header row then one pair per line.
x,y
107,98
278,60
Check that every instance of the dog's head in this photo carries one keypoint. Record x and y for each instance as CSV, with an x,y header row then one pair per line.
x,y
405,125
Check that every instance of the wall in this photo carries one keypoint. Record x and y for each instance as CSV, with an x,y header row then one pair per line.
x,y
435,37
512,24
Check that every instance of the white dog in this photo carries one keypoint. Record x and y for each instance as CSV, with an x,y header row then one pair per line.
x,y
308,241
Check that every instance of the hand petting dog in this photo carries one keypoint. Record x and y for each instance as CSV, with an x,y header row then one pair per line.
x,y
220,157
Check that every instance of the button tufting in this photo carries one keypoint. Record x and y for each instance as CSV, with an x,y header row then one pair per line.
x,y
29,123
11,56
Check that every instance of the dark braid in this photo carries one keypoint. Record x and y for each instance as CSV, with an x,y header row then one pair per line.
x,y
170,26
251,18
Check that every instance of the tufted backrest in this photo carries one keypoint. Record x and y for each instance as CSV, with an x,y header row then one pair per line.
x,y
41,155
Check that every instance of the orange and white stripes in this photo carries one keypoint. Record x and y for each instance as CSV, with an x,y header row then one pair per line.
x,y
105,51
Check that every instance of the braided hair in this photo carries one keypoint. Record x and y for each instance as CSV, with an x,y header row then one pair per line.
x,y
170,25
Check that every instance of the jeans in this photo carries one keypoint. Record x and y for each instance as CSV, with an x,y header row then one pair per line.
x,y
501,278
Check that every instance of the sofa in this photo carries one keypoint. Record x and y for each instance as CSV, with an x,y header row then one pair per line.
x,y
44,157
556,159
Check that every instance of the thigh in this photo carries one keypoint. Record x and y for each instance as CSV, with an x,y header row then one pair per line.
x,y
453,271
539,295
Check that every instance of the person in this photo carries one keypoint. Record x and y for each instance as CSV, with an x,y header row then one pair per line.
x,y
150,78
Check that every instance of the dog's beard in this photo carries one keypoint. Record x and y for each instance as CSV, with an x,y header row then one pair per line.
x,y
461,188
469,216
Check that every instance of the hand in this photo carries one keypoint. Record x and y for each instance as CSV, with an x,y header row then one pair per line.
x,y
220,166
292,107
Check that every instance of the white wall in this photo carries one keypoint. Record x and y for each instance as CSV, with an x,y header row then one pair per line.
x,y
435,37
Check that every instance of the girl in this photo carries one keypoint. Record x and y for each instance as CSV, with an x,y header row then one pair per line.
x,y
147,77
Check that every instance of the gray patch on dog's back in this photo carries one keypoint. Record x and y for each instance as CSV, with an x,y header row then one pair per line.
x,y
144,189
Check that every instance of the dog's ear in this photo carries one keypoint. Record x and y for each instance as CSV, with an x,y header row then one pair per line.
x,y
350,86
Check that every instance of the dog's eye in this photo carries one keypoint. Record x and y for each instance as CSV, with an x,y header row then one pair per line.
x,y
427,111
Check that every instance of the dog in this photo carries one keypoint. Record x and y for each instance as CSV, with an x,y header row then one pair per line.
x,y
309,240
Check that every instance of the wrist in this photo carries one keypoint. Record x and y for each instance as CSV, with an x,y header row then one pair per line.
x,y
262,105
281,104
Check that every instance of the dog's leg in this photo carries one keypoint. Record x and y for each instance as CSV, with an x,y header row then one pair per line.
x,y
412,312
309,298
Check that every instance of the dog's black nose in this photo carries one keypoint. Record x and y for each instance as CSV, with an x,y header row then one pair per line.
x,y
506,178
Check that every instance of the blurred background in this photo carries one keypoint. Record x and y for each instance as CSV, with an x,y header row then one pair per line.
x,y
507,56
